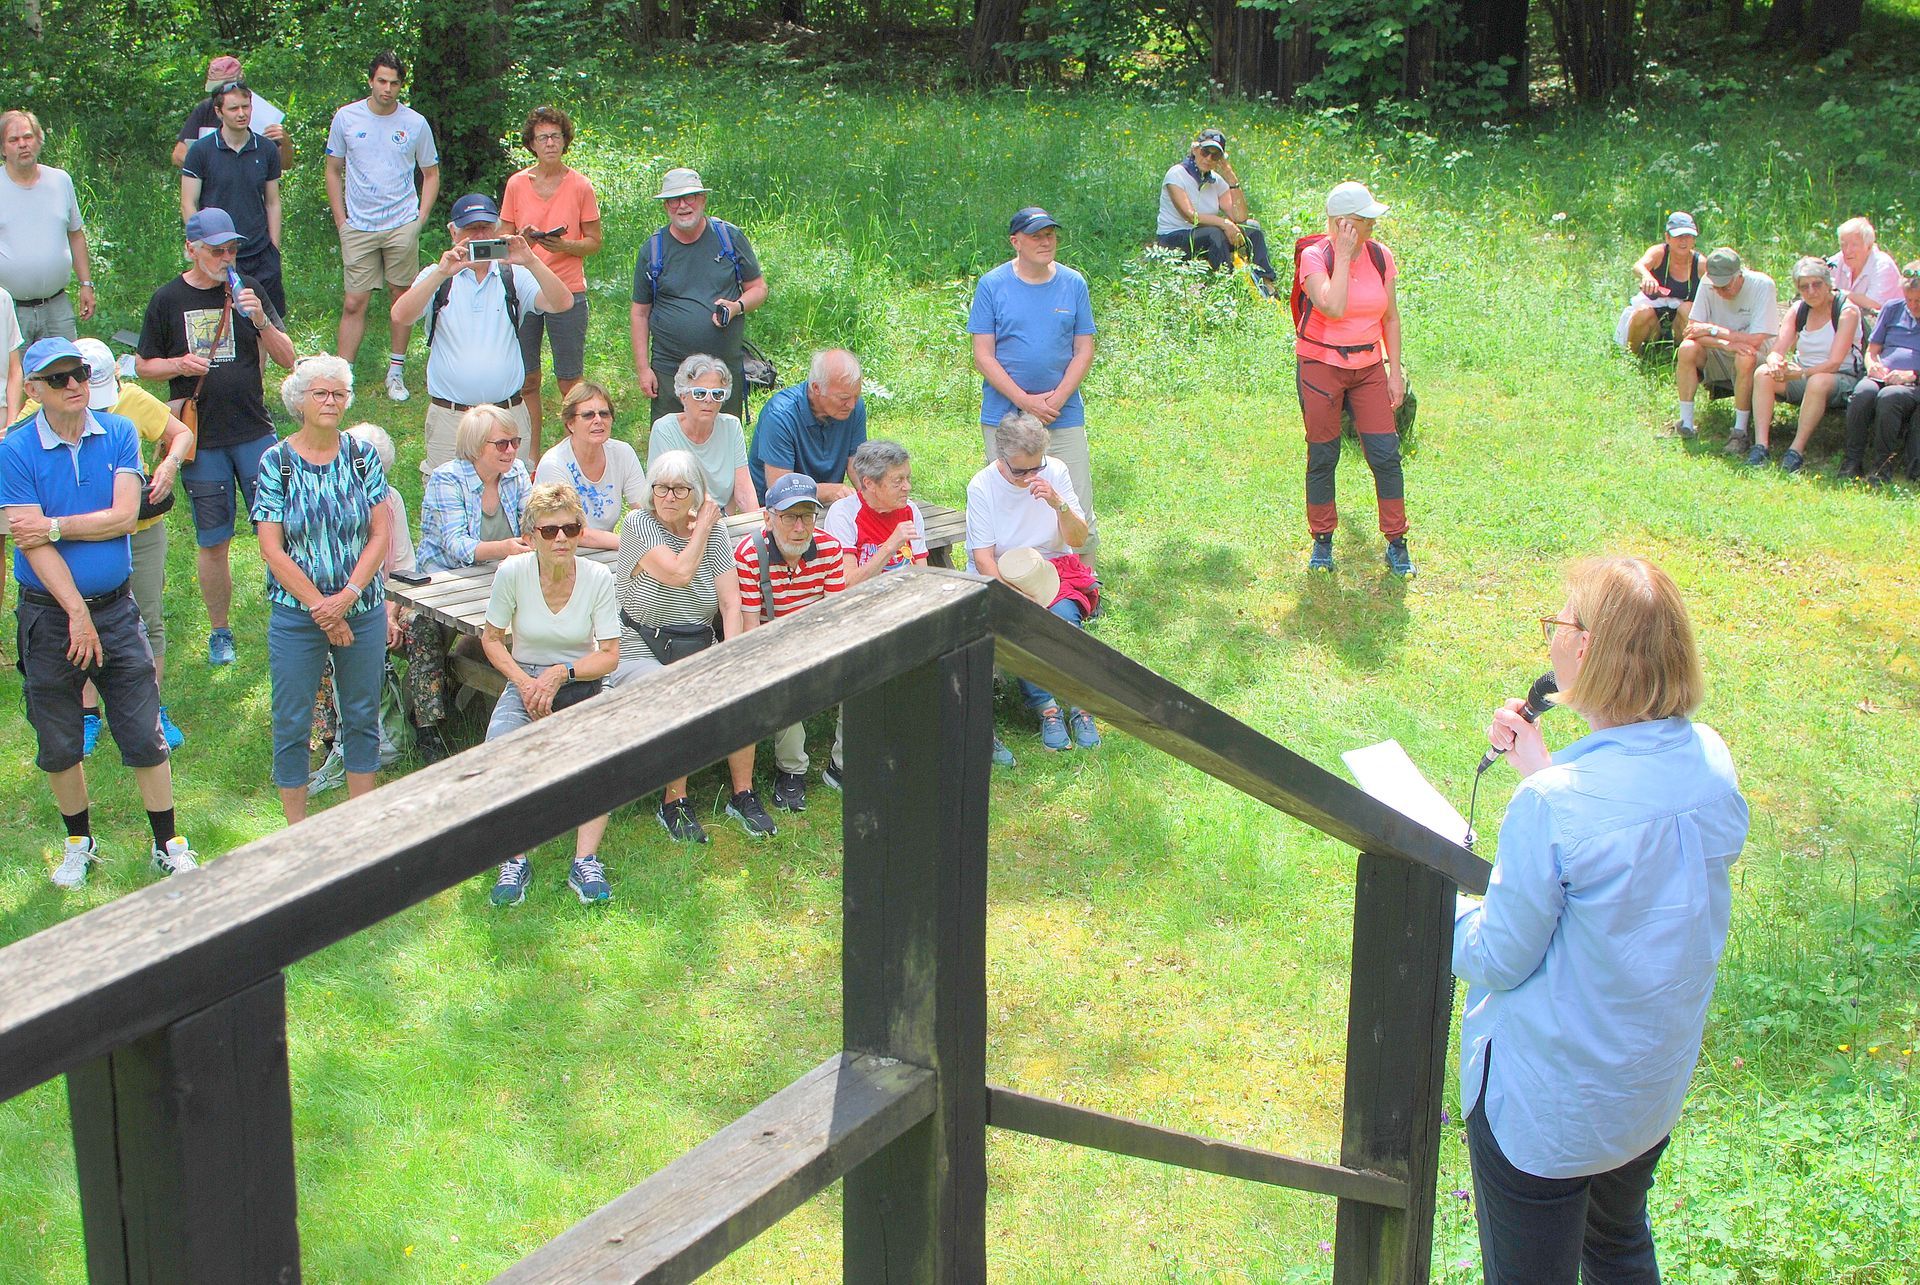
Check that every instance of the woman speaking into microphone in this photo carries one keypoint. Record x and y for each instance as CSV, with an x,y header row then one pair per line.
x,y
1591,961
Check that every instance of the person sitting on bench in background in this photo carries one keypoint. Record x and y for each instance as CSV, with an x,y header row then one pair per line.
x,y
1733,321
1815,362
1203,210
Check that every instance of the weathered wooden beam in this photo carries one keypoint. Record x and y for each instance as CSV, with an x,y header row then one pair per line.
x,y
914,961
1063,1122
1073,665
717,1197
183,1141
1399,1009
95,982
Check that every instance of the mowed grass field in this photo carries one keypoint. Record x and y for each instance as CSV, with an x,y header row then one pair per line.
x,y
469,1082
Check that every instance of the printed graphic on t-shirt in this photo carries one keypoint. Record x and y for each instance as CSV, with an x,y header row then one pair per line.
x,y
202,324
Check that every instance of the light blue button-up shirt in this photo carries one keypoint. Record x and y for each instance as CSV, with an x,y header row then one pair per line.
x,y
1591,961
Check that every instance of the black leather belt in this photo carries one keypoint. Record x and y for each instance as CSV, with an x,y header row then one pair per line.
x,y
462,406
99,600
35,303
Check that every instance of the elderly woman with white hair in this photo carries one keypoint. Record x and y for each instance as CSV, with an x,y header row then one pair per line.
x,y
320,511
1025,500
1814,363
703,383
672,575
1863,272
879,527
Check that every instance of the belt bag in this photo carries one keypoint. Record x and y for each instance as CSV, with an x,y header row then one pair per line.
x,y
575,691
673,642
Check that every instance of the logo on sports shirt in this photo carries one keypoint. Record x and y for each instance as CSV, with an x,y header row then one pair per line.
x,y
399,138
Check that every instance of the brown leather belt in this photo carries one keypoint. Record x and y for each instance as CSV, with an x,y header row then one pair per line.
x,y
511,402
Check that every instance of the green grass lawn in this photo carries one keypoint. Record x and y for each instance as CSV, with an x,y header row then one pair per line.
x,y
470,1082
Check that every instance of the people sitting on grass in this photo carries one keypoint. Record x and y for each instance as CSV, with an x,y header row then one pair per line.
x,y
553,632
1203,210
1881,424
879,528
812,428
603,470
1025,500
1862,271
1733,322
320,510
1666,281
781,568
714,438
1814,363
673,575
471,512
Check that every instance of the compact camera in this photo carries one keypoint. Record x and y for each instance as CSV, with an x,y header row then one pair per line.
x,y
487,249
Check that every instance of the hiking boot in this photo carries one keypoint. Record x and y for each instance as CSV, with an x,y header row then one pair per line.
x,y
1002,756
89,734
1737,444
1053,729
790,791
1791,461
1322,557
745,808
397,385
1085,735
1850,469
588,879
829,777
175,859
678,820
220,647
1757,457
72,870
1399,561
175,737
330,775
510,889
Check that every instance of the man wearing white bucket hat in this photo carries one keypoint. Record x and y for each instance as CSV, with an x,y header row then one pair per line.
x,y
694,283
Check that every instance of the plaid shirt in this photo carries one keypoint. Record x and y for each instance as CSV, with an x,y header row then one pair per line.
x,y
450,513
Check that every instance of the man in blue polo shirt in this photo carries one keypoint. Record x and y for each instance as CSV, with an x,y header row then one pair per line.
x,y
70,483
236,170
1885,408
812,428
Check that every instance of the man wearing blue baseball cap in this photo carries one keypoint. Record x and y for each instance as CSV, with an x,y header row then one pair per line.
x,y
1032,328
70,483
204,332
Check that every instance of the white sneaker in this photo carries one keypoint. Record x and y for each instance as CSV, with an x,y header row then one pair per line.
x,y
397,386
80,854
177,859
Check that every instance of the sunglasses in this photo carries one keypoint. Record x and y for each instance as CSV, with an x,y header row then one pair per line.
x,y
505,444
1025,472
554,530
707,394
227,87
593,414
63,378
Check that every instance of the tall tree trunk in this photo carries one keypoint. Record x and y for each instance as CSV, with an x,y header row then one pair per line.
x,y
1835,22
466,50
1497,30
1787,19
1596,41
995,23
794,12
1251,59
30,17
1422,52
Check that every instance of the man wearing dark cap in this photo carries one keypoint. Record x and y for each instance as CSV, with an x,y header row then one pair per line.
x,y
473,321
1203,210
1732,324
1032,328
70,483
204,332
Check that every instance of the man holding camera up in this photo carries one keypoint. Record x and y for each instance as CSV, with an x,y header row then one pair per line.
x,y
473,320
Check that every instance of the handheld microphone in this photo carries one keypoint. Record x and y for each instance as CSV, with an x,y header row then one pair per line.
x,y
1537,703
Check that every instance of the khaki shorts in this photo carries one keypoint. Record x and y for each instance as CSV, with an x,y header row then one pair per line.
x,y
372,258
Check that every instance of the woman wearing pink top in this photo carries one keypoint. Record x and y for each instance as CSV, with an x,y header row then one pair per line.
x,y
1348,352
551,196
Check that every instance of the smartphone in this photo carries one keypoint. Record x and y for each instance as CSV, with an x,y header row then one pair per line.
x,y
487,249
549,234
410,577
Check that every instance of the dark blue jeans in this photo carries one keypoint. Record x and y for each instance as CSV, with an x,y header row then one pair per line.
x,y
1545,1231
1038,697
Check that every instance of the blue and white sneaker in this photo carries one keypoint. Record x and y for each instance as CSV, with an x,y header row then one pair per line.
x,y
220,647
89,734
1085,735
588,879
1321,559
1002,756
1399,561
1053,729
511,887
175,737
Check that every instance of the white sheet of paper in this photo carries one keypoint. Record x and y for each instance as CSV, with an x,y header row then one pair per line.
x,y
1385,772
265,114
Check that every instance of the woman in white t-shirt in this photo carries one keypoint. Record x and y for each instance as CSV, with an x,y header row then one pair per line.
x,y
1814,364
562,618
717,442
604,471
1203,210
1025,500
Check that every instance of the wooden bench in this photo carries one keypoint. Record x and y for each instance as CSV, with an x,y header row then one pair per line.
x,y
457,599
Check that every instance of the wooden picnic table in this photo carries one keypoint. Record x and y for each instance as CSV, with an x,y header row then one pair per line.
x,y
458,598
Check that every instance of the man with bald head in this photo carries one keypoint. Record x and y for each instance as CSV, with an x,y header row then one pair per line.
x,y
812,428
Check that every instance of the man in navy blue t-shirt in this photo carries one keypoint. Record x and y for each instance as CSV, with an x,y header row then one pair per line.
x,y
812,428
237,170
1032,328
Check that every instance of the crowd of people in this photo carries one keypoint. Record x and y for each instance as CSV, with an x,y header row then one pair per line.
x,y
1847,342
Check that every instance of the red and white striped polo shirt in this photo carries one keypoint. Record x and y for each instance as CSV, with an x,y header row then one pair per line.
x,y
821,571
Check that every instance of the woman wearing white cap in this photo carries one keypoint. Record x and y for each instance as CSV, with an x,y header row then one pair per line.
x,y
1666,279
1348,350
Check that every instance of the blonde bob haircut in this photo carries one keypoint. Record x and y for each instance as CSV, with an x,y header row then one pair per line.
x,y
552,499
479,425
1641,662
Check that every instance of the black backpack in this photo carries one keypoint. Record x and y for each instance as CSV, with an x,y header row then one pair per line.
x,y
504,273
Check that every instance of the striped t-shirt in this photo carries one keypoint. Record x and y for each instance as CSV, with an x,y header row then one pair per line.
x,y
822,570
657,605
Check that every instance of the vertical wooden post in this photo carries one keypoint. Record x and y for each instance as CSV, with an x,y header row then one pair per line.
x,y
919,750
184,1145
1399,1010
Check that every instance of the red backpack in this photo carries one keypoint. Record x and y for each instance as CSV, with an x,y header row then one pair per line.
x,y
1303,305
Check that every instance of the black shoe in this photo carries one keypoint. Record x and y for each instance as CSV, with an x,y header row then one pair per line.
x,y
830,776
790,791
429,746
1849,469
678,819
745,808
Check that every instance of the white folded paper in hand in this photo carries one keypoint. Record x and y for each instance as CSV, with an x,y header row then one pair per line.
x,y
1385,772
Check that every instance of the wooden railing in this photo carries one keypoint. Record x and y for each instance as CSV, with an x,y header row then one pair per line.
x,y
166,1009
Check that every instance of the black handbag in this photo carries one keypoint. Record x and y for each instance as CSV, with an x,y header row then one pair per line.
x,y
573,691
151,509
674,642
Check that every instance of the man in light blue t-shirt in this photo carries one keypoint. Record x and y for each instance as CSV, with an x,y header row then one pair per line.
x,y
1032,328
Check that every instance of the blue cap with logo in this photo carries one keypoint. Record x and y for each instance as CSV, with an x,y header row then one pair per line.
x,y
474,208
212,226
1030,220
791,489
42,353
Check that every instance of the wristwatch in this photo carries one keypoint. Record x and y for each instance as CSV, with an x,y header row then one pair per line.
x,y
570,677
53,530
